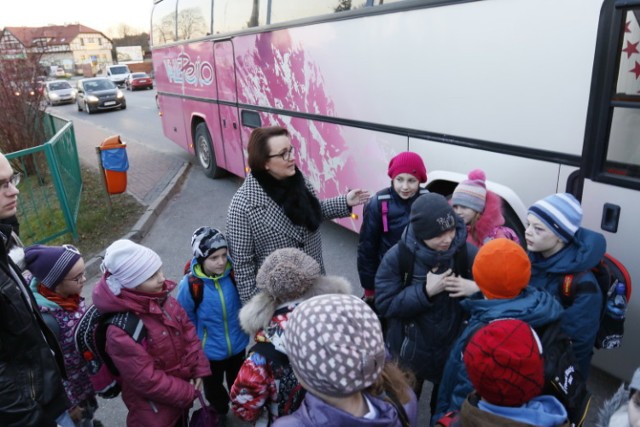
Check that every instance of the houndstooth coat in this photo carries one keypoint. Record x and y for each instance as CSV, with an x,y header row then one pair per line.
x,y
257,226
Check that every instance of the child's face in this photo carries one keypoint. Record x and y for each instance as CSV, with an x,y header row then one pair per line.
x,y
153,284
467,214
73,281
442,242
540,238
406,185
634,410
215,263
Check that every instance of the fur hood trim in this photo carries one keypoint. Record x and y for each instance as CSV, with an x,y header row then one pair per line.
x,y
257,313
611,406
490,218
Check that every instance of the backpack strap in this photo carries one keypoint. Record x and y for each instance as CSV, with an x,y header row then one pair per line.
x,y
383,199
461,262
52,324
128,322
268,350
407,258
568,287
196,289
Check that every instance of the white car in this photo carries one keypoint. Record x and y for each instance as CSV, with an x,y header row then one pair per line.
x,y
59,92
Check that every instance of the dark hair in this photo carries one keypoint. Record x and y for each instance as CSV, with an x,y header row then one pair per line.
x,y
258,147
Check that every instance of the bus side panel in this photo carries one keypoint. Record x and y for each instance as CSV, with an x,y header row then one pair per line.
x,y
173,122
622,245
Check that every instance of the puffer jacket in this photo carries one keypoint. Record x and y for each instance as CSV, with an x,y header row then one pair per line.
x,y
216,319
615,411
374,241
31,365
254,394
421,328
257,226
77,385
536,308
155,374
315,412
581,319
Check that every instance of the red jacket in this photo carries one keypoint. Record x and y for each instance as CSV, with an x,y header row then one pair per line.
x,y
155,374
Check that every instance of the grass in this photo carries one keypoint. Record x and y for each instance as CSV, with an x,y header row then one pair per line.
x,y
98,224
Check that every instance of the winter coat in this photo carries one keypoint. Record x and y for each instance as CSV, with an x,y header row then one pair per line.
x,y
615,411
420,328
77,384
490,223
542,411
315,412
155,374
254,394
536,308
374,241
216,319
257,226
31,390
581,319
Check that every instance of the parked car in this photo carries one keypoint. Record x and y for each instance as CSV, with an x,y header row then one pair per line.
x,y
138,81
59,92
99,93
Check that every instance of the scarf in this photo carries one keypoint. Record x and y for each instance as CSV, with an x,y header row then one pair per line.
x,y
292,195
68,304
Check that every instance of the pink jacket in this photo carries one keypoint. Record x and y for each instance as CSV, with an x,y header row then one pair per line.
x,y
155,374
490,225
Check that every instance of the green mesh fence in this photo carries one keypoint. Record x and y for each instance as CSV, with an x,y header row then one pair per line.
x,y
51,186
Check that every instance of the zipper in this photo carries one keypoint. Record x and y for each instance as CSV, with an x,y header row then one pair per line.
x,y
32,386
204,336
224,316
153,406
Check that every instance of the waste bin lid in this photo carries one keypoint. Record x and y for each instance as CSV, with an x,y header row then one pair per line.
x,y
112,142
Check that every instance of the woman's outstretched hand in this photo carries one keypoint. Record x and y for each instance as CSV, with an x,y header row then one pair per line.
x,y
357,197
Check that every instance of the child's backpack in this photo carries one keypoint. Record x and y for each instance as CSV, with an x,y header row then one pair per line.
x,y
290,392
461,266
91,339
196,285
614,282
383,201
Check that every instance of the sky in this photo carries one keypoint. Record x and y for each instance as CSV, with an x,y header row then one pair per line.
x,y
102,16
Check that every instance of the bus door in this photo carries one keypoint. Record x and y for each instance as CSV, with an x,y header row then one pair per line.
x,y
611,163
228,107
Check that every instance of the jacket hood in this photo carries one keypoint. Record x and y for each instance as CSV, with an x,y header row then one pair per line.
x,y
532,306
545,411
197,270
617,402
106,302
583,253
429,257
490,218
40,299
257,313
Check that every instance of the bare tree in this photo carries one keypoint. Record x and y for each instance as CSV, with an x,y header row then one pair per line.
x,y
191,24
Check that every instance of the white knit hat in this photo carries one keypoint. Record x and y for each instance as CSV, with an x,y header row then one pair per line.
x,y
129,265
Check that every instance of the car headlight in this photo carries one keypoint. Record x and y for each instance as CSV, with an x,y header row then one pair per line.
x,y
119,94
54,96
74,93
92,98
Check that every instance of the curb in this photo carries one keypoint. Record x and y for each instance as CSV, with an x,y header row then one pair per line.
x,y
146,221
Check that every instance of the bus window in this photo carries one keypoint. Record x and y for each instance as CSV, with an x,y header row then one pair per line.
x,y
163,22
623,152
288,10
194,19
235,15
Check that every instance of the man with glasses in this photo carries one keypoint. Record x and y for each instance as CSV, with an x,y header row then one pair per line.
x,y
31,391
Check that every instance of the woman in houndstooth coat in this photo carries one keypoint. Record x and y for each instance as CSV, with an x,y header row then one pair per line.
x,y
276,207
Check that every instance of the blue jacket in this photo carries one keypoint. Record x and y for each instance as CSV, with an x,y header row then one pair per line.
x,y
535,307
581,319
314,412
374,242
216,320
419,328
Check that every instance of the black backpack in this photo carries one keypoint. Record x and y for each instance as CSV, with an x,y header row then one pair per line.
x,y
461,265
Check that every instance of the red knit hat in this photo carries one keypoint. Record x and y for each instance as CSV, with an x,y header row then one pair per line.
x,y
504,362
408,162
501,269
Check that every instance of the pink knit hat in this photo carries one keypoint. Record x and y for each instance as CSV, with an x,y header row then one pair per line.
x,y
408,162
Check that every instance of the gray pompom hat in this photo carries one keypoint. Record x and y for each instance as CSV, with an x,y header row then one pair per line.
x,y
286,274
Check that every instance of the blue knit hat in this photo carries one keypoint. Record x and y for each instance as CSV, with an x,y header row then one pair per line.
x,y
560,212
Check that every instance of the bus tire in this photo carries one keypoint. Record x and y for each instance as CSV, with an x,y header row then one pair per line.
x,y
204,152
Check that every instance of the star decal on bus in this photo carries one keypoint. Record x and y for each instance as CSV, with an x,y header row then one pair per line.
x,y
631,48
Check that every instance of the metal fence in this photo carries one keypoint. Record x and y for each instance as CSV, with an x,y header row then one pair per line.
x,y
50,191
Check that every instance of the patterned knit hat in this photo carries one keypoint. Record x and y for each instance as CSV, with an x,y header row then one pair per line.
x,y
471,193
129,265
335,344
561,212
501,269
408,162
205,241
50,264
431,215
286,274
504,362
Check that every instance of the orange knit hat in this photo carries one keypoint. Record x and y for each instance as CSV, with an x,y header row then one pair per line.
x,y
501,269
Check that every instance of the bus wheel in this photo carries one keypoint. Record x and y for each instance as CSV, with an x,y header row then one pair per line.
x,y
205,154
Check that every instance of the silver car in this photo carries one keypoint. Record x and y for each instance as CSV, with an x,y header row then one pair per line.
x,y
59,92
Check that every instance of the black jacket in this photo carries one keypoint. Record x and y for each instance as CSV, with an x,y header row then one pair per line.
x,y
31,390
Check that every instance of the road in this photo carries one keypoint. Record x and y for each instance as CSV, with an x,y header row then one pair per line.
x,y
202,201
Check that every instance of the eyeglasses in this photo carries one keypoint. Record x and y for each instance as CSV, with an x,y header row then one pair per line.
x,y
79,278
286,155
13,180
